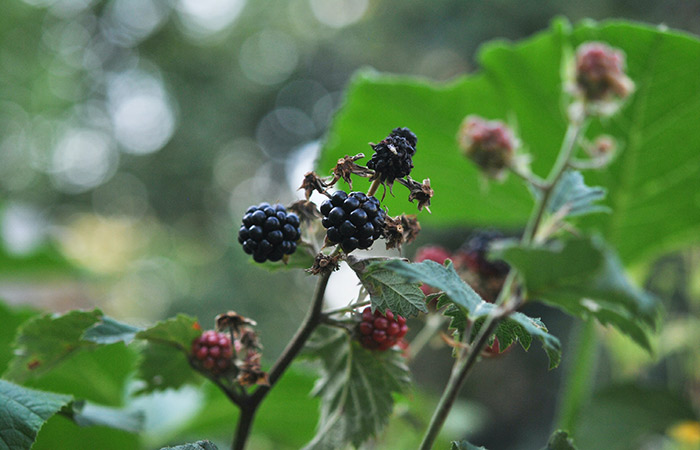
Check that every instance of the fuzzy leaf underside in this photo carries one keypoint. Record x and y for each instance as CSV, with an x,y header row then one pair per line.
x,y
464,445
23,412
467,305
387,291
356,388
583,277
573,196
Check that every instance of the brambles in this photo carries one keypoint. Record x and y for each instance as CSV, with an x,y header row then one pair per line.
x,y
393,156
379,331
212,352
490,144
352,220
269,232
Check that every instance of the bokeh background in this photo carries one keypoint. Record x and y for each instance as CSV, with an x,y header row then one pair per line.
x,y
134,133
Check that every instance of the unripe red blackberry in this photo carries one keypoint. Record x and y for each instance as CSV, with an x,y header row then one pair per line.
x,y
212,351
490,144
352,220
600,72
474,255
379,331
269,232
432,253
393,156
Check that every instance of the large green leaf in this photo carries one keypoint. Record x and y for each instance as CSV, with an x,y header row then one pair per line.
x,y
467,305
651,185
356,388
464,445
62,433
12,318
23,412
584,278
387,291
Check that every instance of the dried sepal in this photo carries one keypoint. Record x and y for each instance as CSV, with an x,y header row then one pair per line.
x,y
250,371
312,182
422,192
306,210
234,322
325,263
400,230
346,166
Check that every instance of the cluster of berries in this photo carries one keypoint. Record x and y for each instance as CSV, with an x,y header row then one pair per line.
x,y
212,352
489,144
393,156
352,220
269,232
379,331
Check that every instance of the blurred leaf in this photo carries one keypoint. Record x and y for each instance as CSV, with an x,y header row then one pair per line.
x,y
464,445
560,441
387,290
164,362
86,414
44,261
23,412
619,417
468,305
356,388
199,445
521,83
572,193
61,433
583,277
44,341
12,318
109,331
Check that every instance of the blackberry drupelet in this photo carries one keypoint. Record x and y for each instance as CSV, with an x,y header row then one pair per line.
x,y
393,156
352,220
379,331
269,232
212,351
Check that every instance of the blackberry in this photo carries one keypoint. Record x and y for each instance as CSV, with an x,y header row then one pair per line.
x,y
269,232
474,254
393,156
600,72
352,220
490,144
379,331
432,253
212,352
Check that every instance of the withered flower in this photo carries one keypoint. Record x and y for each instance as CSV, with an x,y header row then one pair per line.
x,y
325,263
346,167
312,182
306,210
232,321
400,230
421,192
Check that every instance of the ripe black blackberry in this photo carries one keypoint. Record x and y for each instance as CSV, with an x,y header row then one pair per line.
x,y
475,253
393,156
269,232
212,352
352,220
379,331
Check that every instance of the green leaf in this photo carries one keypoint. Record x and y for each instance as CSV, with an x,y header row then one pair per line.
x,y
386,289
356,388
23,411
619,417
648,184
464,445
583,277
560,441
86,414
60,430
109,331
573,196
469,306
44,341
164,362
12,318
199,445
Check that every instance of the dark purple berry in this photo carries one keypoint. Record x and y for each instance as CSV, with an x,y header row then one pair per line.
x,y
212,352
269,232
379,331
393,156
353,220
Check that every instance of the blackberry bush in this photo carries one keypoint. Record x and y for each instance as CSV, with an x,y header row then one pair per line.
x,y
379,331
269,232
393,156
352,220
213,352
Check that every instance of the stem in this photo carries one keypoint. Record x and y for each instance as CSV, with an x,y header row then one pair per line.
x,y
578,379
432,326
374,186
251,404
344,309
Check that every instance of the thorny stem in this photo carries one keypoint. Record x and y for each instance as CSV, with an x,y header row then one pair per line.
x,y
468,357
251,403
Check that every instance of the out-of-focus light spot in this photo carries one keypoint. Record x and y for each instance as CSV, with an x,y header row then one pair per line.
x,y
141,111
131,21
23,228
235,162
15,171
204,17
268,57
283,129
338,13
123,197
100,244
442,64
82,159
300,162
